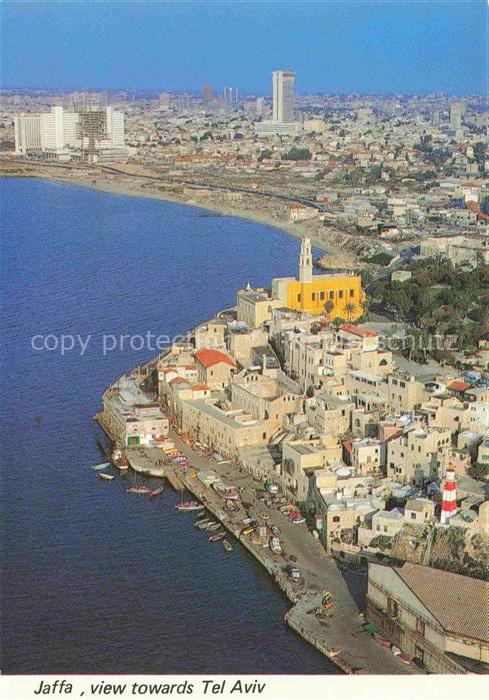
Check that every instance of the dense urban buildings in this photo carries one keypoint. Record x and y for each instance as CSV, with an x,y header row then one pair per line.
x,y
356,393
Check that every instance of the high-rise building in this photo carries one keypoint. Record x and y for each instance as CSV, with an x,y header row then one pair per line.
x,y
260,105
63,133
27,129
457,111
207,94
164,100
283,96
230,96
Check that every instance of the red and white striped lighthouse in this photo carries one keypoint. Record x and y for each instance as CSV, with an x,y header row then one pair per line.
x,y
449,498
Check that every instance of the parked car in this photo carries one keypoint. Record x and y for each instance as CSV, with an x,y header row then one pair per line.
x,y
275,546
294,573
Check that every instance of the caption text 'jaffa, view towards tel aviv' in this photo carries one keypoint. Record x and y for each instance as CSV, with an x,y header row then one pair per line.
x,y
333,422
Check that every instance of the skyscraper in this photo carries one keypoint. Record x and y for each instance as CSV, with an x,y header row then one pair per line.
x,y
207,94
230,96
283,96
164,100
457,110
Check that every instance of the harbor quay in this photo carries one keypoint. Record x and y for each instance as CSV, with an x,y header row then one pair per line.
x,y
299,434
340,637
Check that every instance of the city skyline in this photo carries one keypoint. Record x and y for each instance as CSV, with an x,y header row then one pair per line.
x,y
354,47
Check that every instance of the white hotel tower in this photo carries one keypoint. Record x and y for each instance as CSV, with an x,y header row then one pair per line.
x,y
283,96
283,112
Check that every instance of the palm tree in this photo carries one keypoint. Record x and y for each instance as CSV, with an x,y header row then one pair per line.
x,y
329,306
350,309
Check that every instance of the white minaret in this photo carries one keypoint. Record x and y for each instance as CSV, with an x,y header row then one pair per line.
x,y
305,261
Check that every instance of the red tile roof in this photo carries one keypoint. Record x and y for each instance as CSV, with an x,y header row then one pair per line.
x,y
356,330
458,385
210,357
200,387
179,380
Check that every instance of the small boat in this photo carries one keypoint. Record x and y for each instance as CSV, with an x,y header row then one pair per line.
x,y
104,465
121,465
217,537
106,477
201,523
213,526
228,547
156,492
210,524
190,506
138,489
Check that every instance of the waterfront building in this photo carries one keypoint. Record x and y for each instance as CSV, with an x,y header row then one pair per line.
x,y
254,306
131,418
214,367
419,511
300,458
27,133
90,134
435,616
311,292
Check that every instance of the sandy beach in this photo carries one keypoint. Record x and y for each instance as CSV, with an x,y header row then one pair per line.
x,y
132,184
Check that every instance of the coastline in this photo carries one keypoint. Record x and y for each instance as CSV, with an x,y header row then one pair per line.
x,y
337,256
343,641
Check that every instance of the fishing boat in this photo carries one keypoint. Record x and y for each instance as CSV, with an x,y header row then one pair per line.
x,y
217,537
228,547
156,492
122,465
104,465
189,506
210,524
213,526
138,489
201,523
106,477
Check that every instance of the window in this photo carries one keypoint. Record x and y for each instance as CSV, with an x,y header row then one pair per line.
x,y
331,295
299,297
352,293
314,296
340,294
392,607
321,295
413,516
336,518
419,626
264,436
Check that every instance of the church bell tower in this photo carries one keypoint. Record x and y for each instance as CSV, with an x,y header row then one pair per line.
x,y
305,261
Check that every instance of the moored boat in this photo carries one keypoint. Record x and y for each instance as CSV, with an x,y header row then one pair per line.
x,y
228,547
138,489
217,537
106,477
156,492
213,526
104,465
203,522
190,506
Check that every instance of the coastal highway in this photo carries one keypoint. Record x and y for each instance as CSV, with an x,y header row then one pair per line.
x,y
223,188
111,170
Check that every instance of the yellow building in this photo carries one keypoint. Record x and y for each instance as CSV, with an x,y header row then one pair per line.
x,y
311,293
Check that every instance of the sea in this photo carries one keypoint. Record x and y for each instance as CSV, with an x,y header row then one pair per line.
x,y
96,580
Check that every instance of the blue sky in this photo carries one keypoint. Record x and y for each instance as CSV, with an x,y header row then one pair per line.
x,y
359,46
